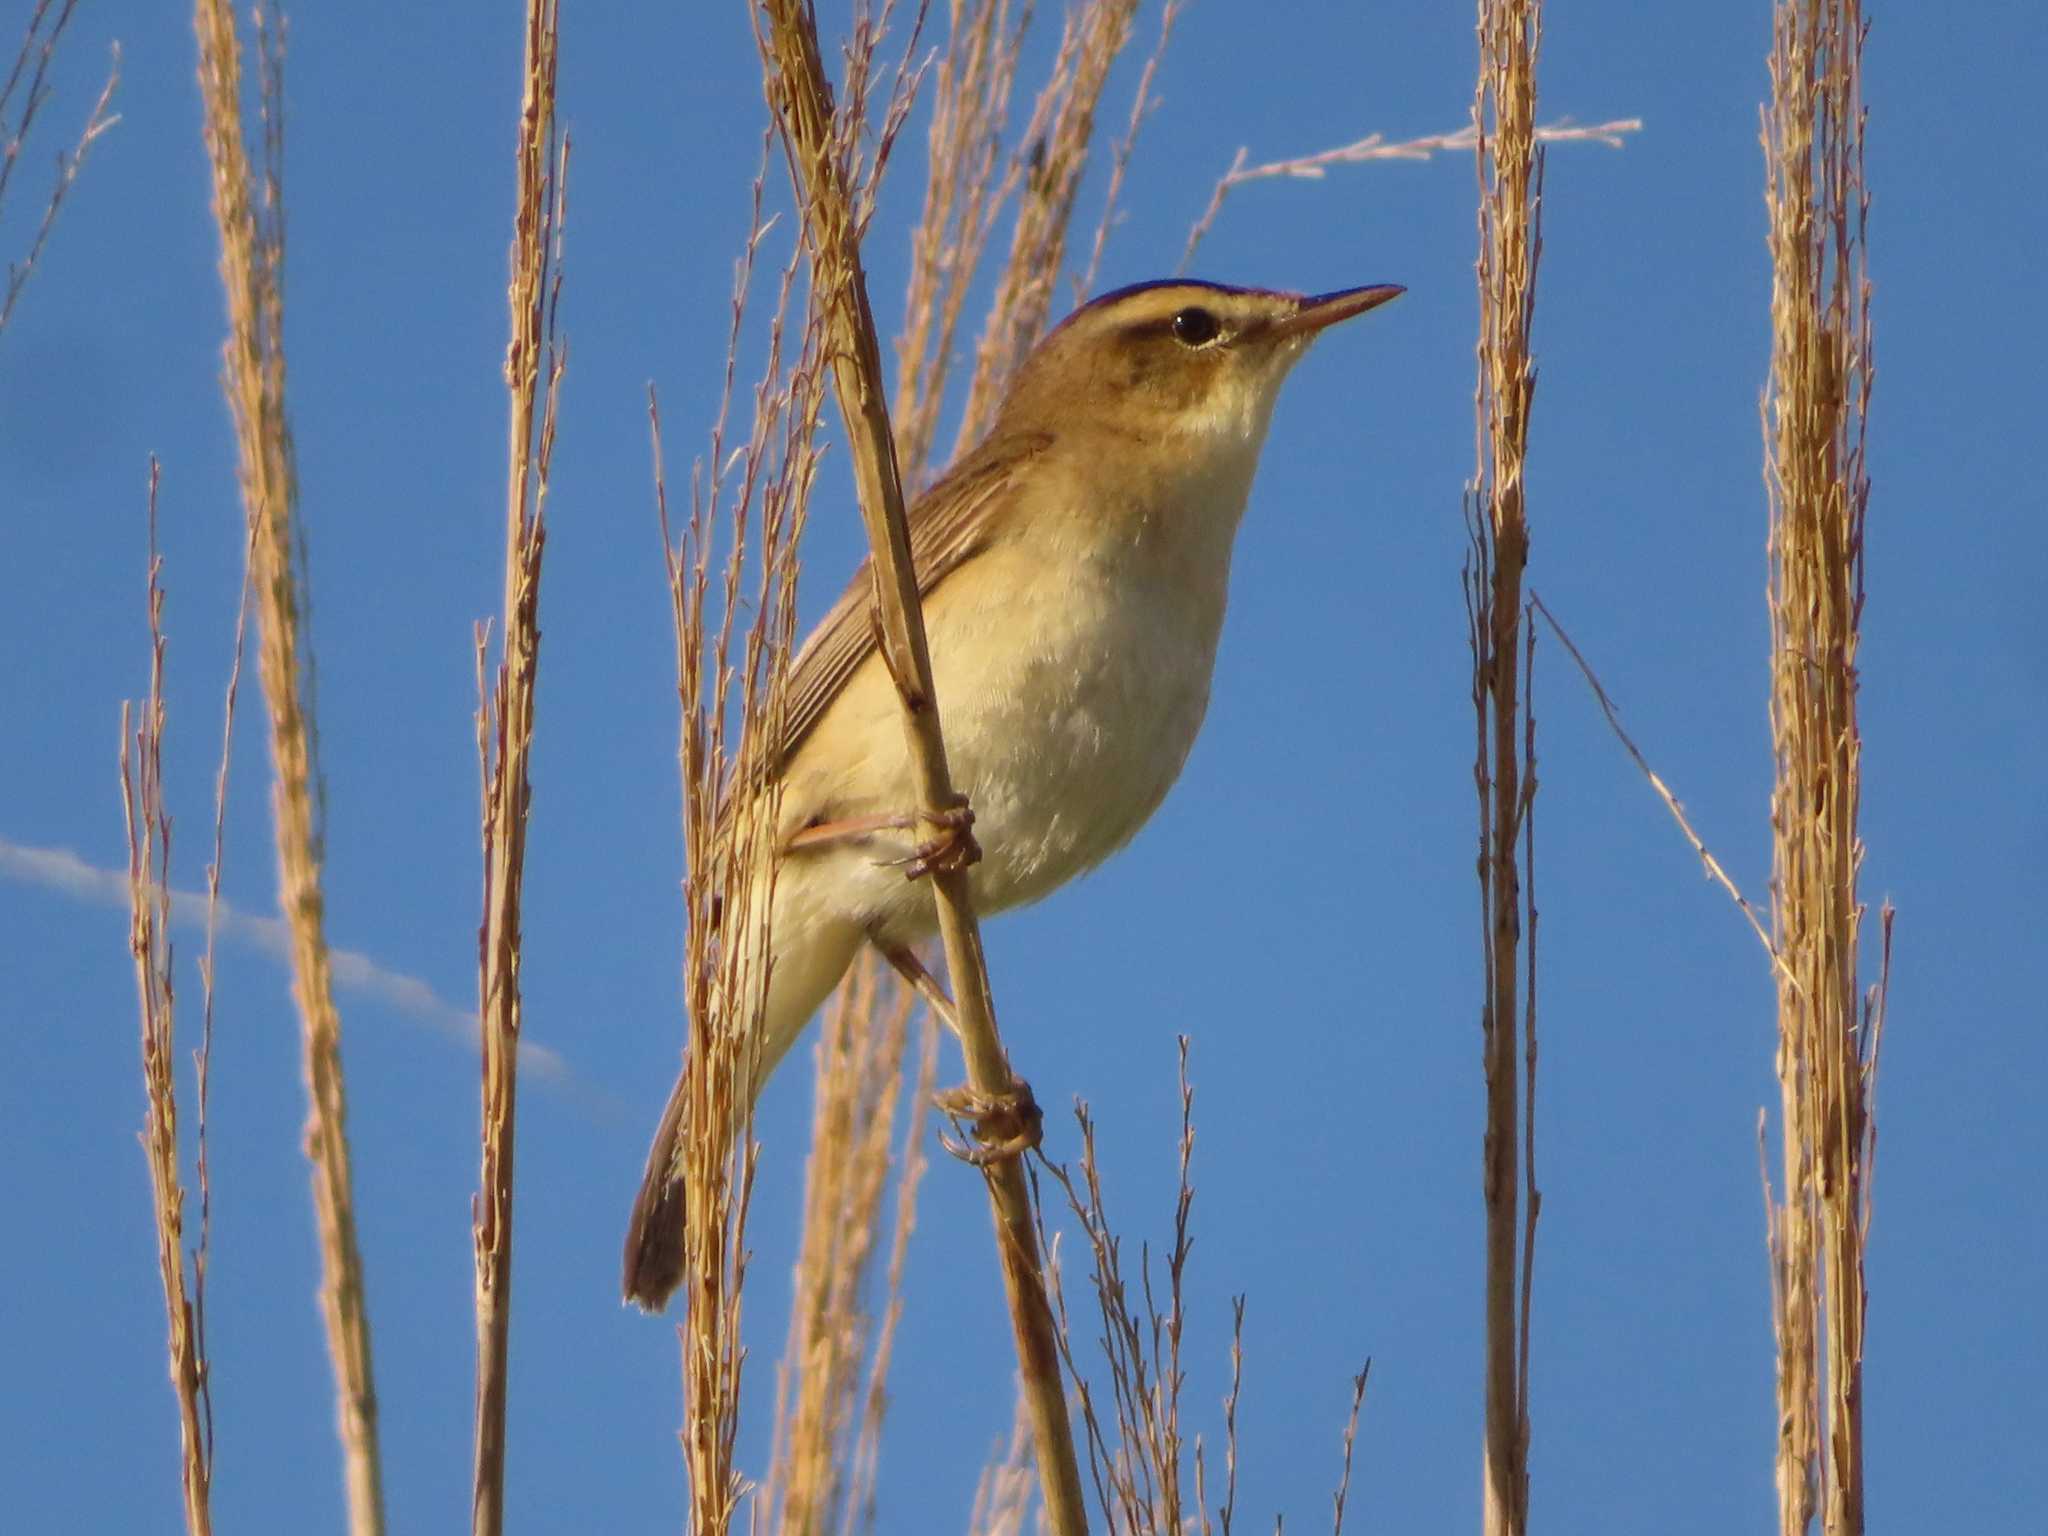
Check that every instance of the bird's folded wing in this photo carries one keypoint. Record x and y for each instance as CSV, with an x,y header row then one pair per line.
x,y
950,524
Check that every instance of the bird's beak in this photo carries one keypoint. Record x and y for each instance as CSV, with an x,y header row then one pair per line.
x,y
1326,309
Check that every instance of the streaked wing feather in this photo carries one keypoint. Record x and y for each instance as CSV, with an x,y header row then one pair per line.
x,y
949,525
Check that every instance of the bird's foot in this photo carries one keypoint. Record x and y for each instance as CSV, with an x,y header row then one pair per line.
x,y
951,851
1006,1125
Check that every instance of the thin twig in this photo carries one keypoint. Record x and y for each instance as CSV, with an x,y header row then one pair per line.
x,y
1374,147
97,122
149,890
1712,866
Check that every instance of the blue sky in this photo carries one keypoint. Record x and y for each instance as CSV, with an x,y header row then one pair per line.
x,y
1303,907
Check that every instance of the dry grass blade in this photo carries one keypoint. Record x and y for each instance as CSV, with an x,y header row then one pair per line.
x,y
1142,103
1815,412
816,141
1374,147
1061,129
1510,243
248,211
22,95
534,362
967,185
149,887
753,502
1139,1474
823,1414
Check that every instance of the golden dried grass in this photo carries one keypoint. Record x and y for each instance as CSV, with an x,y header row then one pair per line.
x,y
248,214
1510,243
534,362
1829,1030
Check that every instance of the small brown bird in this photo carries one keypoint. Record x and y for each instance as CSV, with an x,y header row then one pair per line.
x,y
1073,569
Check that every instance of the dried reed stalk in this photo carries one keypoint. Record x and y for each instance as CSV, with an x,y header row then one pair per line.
x,y
967,185
1060,131
1510,243
1815,412
22,95
534,361
149,910
814,138
248,212
829,1397
757,497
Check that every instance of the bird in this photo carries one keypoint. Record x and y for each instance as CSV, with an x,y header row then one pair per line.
x,y
1072,570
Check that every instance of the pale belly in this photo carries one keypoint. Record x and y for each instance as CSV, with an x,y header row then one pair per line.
x,y
1068,708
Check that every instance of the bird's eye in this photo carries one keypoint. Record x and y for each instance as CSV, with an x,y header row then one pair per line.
x,y
1196,327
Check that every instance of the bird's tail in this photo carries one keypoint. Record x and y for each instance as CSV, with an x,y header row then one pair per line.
x,y
654,1235
808,964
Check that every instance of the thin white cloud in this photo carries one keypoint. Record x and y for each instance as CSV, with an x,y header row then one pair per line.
x,y
59,869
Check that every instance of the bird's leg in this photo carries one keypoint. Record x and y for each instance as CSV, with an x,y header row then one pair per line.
x,y
953,849
1006,1125
906,964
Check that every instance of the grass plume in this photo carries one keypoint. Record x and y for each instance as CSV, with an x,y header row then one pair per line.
x,y
248,214
534,362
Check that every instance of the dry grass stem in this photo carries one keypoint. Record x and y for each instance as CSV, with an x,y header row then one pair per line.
x,y
829,1392
248,212
1714,869
817,142
534,362
746,515
149,887
1006,1492
1374,147
1061,128
22,96
1510,164
1139,1461
1343,1493
967,185
1142,103
1815,411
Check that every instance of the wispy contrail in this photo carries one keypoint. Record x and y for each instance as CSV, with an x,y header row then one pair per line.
x,y
59,869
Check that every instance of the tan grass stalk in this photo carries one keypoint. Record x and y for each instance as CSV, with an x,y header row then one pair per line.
x,y
22,95
967,185
818,1481
1815,411
814,139
149,891
248,211
1511,181
1142,103
1060,131
534,362
1374,147
1006,1492
753,500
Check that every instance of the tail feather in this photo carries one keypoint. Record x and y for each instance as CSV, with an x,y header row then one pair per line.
x,y
654,1235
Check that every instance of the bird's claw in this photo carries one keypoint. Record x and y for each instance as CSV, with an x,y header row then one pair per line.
x,y
1006,1125
950,852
